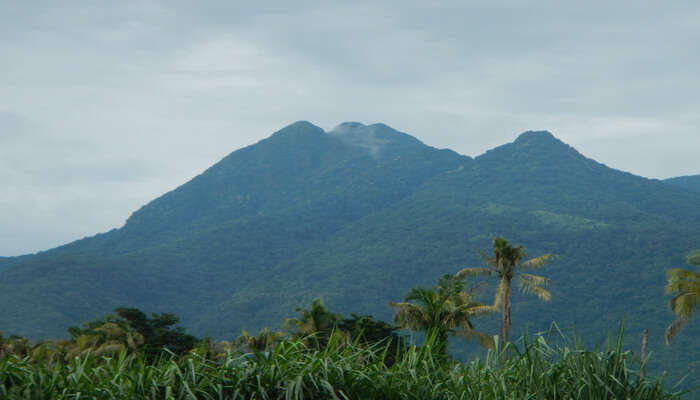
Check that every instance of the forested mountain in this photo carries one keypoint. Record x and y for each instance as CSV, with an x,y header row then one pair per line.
x,y
358,216
690,182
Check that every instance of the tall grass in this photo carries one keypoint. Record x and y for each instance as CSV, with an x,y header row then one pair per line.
x,y
292,370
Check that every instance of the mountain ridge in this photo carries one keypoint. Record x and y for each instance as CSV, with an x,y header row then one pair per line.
x,y
305,213
688,182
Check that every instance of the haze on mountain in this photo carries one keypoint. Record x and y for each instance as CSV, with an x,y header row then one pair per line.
x,y
358,216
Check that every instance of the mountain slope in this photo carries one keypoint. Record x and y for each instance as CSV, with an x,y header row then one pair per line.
x,y
222,230
689,182
361,214
613,247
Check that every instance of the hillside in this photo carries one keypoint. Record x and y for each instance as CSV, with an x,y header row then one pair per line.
x,y
222,230
359,215
689,182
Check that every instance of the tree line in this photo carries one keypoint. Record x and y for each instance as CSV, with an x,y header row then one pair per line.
x,y
441,311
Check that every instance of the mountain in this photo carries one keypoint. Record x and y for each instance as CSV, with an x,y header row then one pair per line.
x,y
224,229
689,182
358,216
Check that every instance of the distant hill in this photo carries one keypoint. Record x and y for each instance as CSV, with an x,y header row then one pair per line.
x,y
689,182
358,216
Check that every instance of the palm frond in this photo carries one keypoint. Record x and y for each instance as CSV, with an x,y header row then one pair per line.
x,y
693,258
463,273
408,315
536,279
421,294
685,304
681,274
682,287
536,262
486,258
673,329
485,340
479,310
529,286
685,284
452,320
477,289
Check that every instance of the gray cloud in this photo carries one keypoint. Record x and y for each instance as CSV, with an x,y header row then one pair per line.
x,y
107,105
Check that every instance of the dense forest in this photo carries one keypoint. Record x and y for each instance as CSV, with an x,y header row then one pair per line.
x,y
690,182
361,215
322,355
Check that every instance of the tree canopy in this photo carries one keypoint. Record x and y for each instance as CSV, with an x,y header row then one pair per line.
x,y
440,311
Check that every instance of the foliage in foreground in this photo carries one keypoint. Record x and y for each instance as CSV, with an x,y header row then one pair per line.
x,y
443,310
293,370
507,259
684,284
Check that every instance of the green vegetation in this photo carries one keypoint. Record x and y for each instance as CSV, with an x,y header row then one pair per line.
x,y
128,329
504,263
685,285
316,321
316,326
440,311
304,215
293,370
129,355
260,343
689,182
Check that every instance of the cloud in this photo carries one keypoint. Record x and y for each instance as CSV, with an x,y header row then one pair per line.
x,y
107,105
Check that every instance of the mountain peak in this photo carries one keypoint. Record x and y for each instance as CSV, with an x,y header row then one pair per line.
x,y
538,150
347,127
375,138
295,134
535,135
300,127
542,140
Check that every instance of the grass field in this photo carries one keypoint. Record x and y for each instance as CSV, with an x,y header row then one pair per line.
x,y
294,370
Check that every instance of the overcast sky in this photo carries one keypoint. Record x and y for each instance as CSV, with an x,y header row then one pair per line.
x,y
106,105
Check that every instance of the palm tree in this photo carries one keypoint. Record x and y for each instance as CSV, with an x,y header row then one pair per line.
x,y
504,262
685,285
109,338
316,320
259,343
440,311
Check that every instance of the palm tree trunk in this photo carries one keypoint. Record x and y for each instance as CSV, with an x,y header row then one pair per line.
x,y
645,343
505,320
441,344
